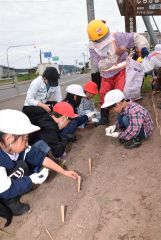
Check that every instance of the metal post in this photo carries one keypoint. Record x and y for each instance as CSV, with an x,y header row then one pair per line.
x,y
30,61
7,61
90,10
156,24
16,46
16,84
40,57
84,61
150,30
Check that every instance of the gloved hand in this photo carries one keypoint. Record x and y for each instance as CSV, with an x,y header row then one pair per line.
x,y
95,120
39,178
110,129
114,134
90,114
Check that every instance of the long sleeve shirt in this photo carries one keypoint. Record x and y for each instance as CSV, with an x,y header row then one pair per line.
x,y
11,187
86,105
38,92
121,40
138,117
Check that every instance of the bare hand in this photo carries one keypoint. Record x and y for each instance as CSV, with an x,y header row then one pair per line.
x,y
46,108
71,174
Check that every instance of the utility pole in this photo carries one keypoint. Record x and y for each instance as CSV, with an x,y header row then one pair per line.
x,y
90,10
153,38
30,61
16,46
91,16
40,57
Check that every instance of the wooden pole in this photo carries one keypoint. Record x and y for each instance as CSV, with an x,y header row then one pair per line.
x,y
49,234
62,213
90,166
79,183
156,118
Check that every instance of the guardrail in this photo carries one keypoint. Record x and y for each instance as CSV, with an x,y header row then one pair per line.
x,y
13,84
8,84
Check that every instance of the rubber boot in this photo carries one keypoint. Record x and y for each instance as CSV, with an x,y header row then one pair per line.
x,y
17,208
104,116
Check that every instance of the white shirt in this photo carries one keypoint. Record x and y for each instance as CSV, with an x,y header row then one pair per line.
x,y
37,92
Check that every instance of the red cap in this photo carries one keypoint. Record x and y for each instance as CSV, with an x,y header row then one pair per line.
x,y
64,109
90,87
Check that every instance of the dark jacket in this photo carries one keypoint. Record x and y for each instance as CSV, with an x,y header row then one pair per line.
x,y
49,129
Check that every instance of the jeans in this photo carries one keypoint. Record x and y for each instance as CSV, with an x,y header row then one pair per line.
x,y
72,126
123,121
43,146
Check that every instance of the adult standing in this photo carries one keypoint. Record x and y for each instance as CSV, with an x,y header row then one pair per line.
x,y
106,51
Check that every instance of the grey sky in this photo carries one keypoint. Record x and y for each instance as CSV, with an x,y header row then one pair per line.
x,y
58,26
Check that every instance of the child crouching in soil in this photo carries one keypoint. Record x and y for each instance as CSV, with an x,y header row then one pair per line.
x,y
134,121
87,105
74,96
18,161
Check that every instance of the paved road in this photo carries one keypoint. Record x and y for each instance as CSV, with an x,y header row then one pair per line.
x,y
8,98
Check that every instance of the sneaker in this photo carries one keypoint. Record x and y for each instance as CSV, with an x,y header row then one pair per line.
x,y
133,143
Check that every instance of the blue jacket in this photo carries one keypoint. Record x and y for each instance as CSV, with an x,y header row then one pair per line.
x,y
11,187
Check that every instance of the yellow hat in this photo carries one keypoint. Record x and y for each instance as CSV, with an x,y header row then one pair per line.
x,y
96,30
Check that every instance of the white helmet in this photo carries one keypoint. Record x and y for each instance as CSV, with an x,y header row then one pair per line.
x,y
15,122
76,90
112,97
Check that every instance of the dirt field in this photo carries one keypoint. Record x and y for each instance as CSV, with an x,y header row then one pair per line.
x,y
121,200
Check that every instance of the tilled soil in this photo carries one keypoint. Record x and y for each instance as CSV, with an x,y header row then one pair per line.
x,y
120,200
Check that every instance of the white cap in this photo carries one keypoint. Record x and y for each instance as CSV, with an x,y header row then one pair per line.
x,y
112,97
76,90
157,47
15,122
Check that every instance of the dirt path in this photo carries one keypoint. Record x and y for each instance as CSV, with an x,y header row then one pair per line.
x,y
121,200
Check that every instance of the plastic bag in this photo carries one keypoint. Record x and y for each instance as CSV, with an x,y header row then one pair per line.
x,y
134,79
147,65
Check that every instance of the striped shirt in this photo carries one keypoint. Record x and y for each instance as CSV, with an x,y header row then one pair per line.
x,y
138,117
121,40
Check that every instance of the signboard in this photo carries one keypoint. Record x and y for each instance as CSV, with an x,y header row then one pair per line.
x,y
55,58
148,7
141,7
47,54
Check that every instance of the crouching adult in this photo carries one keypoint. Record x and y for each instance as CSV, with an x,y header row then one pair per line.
x,y
134,122
18,161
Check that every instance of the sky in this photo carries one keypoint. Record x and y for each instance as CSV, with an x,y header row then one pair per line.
x,y
58,26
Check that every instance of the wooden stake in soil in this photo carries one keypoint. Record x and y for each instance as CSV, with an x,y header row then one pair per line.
x,y
79,183
90,166
49,234
62,213
155,111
